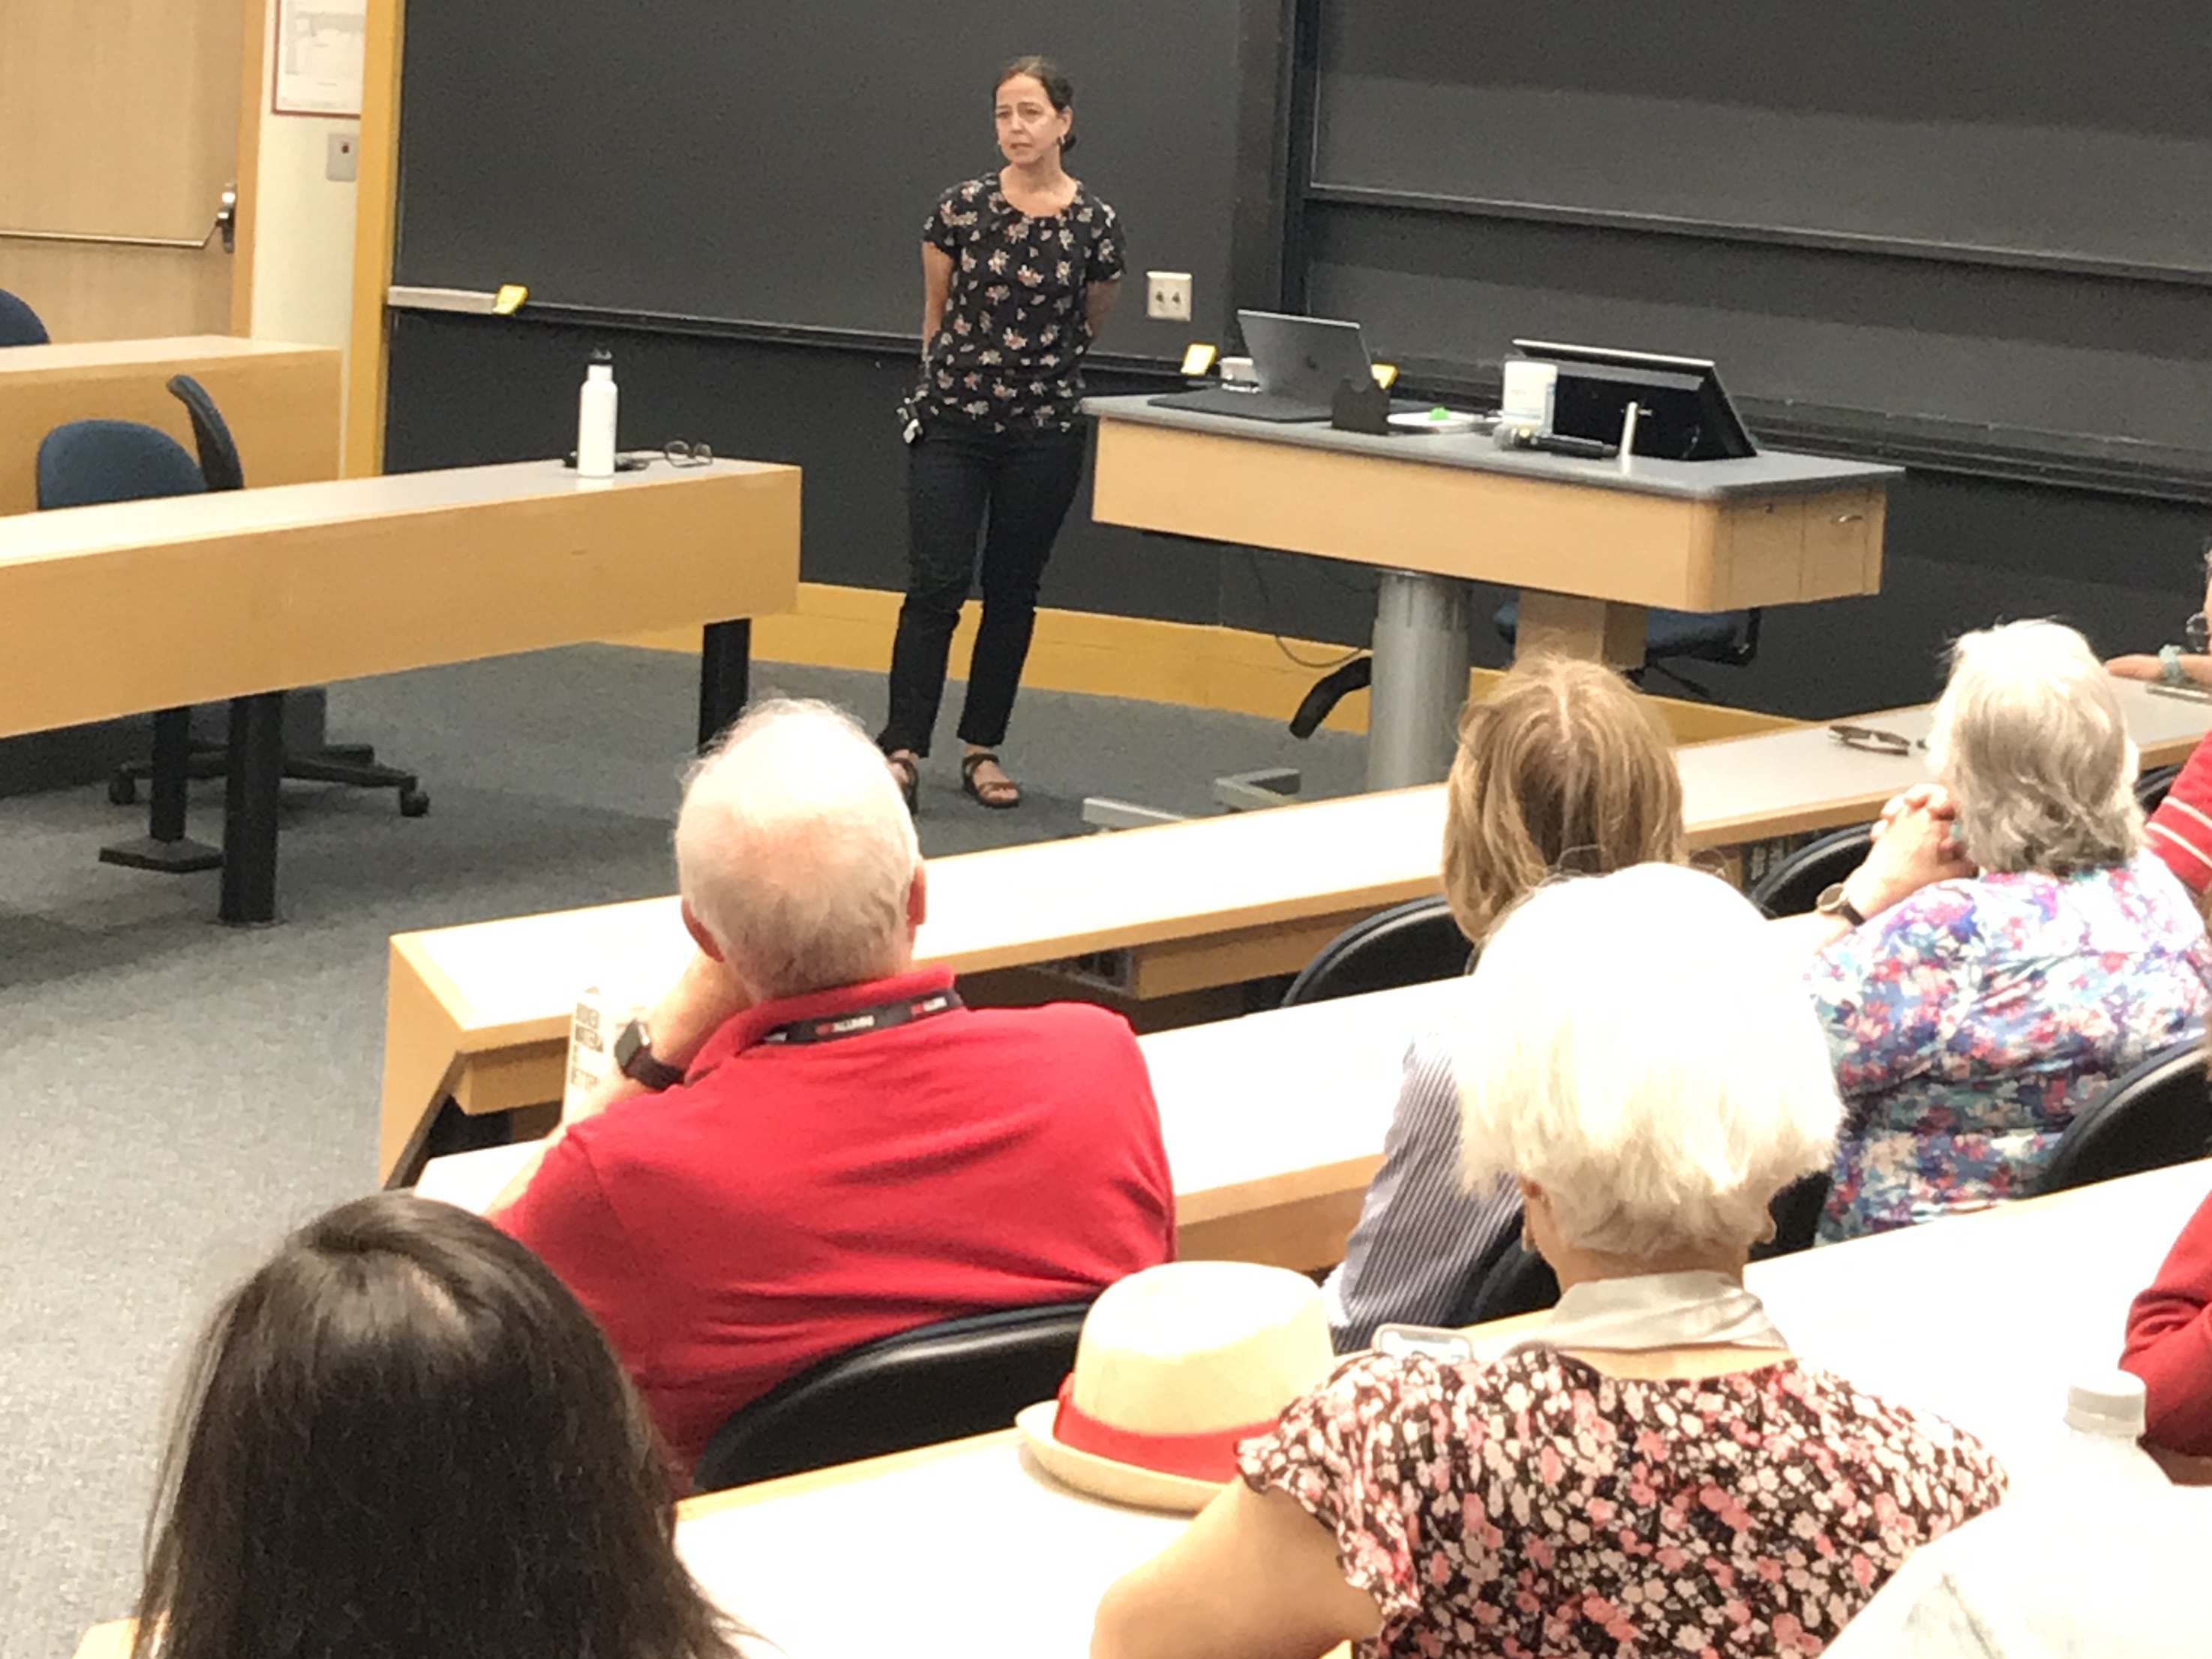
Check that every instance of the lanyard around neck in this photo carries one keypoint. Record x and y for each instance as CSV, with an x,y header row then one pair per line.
x,y
859,1022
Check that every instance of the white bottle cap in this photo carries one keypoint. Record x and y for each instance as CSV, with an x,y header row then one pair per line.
x,y
2107,1403
599,372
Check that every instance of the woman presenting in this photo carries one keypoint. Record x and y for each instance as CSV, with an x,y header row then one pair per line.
x,y
1019,268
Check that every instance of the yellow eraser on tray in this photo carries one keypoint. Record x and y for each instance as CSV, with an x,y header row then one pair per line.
x,y
1198,358
1386,374
510,299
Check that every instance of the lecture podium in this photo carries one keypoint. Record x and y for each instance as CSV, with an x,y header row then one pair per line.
x,y
134,606
1591,544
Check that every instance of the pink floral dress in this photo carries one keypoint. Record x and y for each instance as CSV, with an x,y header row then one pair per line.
x,y
1970,1023
1534,1506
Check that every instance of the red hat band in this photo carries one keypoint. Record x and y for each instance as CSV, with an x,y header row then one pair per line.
x,y
1211,1456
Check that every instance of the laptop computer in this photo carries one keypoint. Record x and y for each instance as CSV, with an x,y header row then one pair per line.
x,y
1299,362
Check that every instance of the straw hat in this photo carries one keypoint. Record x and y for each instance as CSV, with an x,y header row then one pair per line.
x,y
1176,1365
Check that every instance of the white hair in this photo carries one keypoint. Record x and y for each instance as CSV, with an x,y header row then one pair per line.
x,y
1640,1047
795,852
2030,738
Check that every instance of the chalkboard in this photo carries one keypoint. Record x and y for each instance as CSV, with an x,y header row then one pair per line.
x,y
2037,135
741,162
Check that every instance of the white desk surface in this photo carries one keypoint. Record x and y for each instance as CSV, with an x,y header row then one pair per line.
x,y
1022,905
74,354
1769,472
280,507
971,1552
1288,1094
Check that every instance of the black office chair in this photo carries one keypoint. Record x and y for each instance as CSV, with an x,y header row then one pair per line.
x,y
1512,1280
1408,944
1791,887
352,765
939,1381
2151,786
1730,638
19,324
2156,1114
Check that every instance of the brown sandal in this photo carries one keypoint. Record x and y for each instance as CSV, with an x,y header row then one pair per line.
x,y
906,770
1004,796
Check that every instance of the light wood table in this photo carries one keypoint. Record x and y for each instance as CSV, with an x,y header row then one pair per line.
x,y
281,401
150,605
479,1014
1591,544
1983,1318
1272,1124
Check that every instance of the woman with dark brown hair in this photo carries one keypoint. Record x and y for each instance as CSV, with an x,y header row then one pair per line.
x,y
1019,268
1563,768
403,1437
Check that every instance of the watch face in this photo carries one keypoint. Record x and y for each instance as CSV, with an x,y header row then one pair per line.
x,y
629,1041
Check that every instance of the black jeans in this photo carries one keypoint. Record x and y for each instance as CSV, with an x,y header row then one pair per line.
x,y
1015,488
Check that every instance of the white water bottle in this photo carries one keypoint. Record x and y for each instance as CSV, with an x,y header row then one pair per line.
x,y
2105,1411
595,418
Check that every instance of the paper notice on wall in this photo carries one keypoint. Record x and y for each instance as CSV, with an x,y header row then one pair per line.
x,y
319,57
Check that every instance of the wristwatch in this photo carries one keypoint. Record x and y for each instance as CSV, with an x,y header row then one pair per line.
x,y
634,1055
2170,670
1832,902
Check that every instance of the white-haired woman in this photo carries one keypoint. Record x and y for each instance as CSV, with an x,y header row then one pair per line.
x,y
1977,996
1653,1473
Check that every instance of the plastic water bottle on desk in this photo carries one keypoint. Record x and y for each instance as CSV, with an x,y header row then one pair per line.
x,y
595,418
2105,1419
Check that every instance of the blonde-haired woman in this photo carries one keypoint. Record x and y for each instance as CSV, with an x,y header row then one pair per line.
x,y
1653,1473
2008,949
1563,767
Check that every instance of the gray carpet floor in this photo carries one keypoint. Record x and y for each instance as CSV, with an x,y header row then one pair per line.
x,y
174,1094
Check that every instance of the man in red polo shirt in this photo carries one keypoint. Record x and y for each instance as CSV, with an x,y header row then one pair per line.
x,y
818,1144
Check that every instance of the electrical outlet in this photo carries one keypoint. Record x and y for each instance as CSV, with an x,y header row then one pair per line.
x,y
340,158
1167,296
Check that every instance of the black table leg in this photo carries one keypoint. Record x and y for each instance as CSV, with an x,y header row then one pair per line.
x,y
726,661
165,846
249,820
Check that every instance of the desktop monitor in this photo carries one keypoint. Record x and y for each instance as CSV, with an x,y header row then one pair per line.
x,y
1687,414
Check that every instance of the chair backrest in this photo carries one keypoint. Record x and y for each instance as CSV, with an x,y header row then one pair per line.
x,y
1408,944
219,461
2157,1114
19,324
1511,1280
83,463
937,1382
2151,786
1792,886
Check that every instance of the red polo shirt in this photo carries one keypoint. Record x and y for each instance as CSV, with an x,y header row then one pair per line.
x,y
788,1201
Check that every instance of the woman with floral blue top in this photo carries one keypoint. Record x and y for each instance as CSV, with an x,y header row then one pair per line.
x,y
1019,268
2008,948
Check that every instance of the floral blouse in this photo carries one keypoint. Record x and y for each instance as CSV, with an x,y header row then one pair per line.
x,y
1970,1023
1537,1506
1010,352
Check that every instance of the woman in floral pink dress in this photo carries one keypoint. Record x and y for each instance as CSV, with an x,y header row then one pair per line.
x,y
1652,1472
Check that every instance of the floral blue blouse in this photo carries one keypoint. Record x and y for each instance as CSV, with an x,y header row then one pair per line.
x,y
1970,1023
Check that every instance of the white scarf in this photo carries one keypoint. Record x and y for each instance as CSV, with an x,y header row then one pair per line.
x,y
1657,1310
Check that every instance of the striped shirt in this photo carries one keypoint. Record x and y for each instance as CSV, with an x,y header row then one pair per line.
x,y
2180,831
1421,1235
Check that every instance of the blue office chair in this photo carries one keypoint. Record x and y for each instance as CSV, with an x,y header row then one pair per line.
x,y
1792,887
351,764
2153,787
1730,638
937,1382
19,324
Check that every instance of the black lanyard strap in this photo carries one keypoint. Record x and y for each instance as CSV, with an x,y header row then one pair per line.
x,y
859,1022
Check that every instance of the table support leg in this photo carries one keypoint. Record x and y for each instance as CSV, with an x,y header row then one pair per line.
x,y
1568,625
165,846
249,819
726,654
1421,663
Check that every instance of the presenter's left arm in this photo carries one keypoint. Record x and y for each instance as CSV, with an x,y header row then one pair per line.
x,y
1097,300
